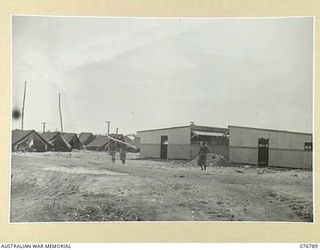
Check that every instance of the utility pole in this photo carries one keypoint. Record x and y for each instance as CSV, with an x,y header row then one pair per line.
x,y
108,128
23,103
61,125
44,127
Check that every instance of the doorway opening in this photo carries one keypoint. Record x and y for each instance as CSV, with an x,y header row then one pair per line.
x,y
164,147
263,152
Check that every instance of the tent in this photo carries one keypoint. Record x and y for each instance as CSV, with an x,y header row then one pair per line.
x,y
29,140
73,140
58,141
86,138
99,143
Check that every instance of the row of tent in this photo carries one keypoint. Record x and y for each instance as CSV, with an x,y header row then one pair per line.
x,y
30,140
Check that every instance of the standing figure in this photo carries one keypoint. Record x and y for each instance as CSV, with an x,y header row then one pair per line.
x,y
123,153
112,148
204,150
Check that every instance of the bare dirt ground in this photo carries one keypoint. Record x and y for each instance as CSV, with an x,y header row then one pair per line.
x,y
86,186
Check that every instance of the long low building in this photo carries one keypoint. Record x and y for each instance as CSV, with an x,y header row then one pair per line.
x,y
182,142
240,145
267,147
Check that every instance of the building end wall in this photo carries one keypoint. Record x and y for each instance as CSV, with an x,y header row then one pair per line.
x,y
179,140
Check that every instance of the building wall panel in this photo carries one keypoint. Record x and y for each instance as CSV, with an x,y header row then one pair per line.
x,y
248,137
308,159
243,155
286,158
277,158
179,136
286,149
152,137
217,149
179,140
179,151
150,150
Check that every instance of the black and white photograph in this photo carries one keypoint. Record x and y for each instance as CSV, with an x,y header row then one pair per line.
x,y
148,119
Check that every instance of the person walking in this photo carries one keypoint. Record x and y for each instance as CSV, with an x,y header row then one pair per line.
x,y
123,153
204,150
112,148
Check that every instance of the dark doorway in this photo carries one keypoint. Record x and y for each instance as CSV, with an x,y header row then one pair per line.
x,y
164,147
263,152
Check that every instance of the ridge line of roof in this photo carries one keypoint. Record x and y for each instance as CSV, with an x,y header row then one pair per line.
x,y
163,128
194,126
273,130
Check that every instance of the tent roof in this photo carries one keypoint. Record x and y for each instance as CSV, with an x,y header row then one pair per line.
x,y
117,136
18,135
84,136
100,141
134,142
49,135
128,139
69,136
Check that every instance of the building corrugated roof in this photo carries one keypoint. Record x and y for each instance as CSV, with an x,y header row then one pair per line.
x,y
192,127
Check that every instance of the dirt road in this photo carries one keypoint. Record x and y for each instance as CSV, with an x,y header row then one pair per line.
x,y
86,186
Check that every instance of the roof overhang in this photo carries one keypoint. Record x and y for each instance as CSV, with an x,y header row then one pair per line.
x,y
208,133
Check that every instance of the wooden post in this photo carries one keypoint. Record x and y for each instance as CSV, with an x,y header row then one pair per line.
x,y
23,103
61,125
108,131
44,127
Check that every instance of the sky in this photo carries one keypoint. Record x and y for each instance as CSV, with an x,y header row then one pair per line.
x,y
145,73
